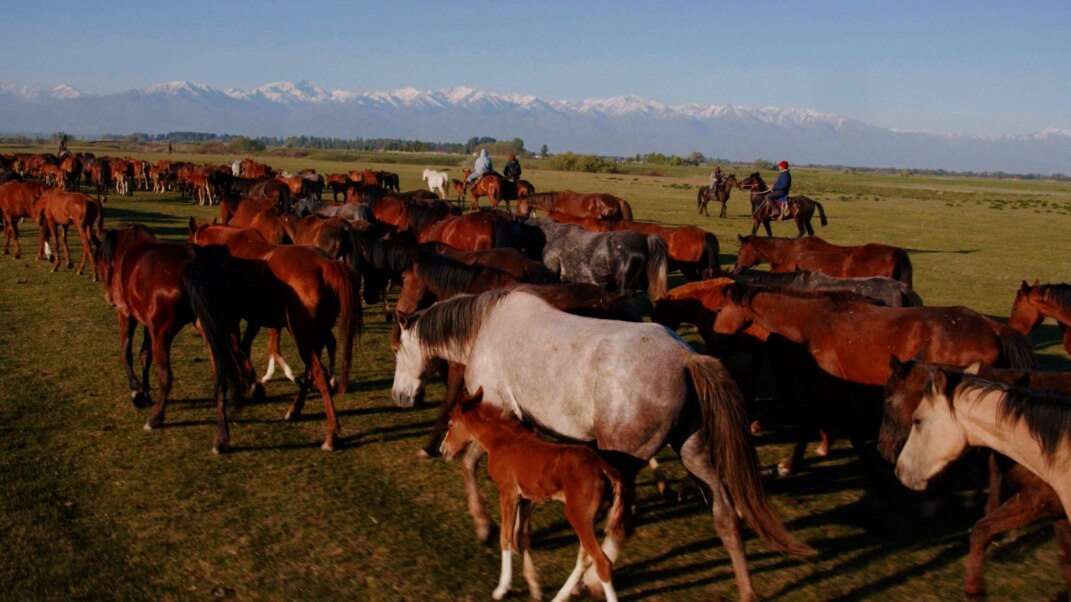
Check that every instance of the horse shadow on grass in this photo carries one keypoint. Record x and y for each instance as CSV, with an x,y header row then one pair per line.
x,y
173,227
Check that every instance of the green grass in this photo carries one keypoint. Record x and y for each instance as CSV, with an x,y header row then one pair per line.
x,y
93,507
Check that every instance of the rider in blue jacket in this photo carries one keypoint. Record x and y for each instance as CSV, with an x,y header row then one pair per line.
x,y
779,192
482,166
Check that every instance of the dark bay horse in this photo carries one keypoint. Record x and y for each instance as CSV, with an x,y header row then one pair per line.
x,y
1039,301
164,286
705,194
599,205
56,210
1027,499
816,255
300,289
801,208
618,261
656,391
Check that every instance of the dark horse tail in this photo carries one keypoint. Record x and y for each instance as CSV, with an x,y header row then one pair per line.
x,y
202,283
902,267
1016,352
711,256
657,267
343,282
699,197
728,440
821,213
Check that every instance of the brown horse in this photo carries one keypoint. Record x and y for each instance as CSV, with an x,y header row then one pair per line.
x,y
164,286
801,208
56,209
1029,499
16,202
705,194
488,185
851,339
599,205
1035,303
263,216
816,255
529,470
298,288
472,231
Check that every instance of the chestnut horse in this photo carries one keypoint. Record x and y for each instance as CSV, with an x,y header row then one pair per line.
x,y
1035,303
705,194
1029,499
816,255
488,185
801,208
301,289
164,286
472,231
16,202
56,209
263,216
599,205
528,470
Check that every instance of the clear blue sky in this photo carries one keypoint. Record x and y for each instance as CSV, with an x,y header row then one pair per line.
x,y
982,67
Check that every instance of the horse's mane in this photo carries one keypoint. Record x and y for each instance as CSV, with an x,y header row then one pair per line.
x,y
1059,294
1047,413
455,322
421,216
391,255
744,293
446,274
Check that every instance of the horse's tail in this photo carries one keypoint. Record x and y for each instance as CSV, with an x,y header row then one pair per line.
x,y
626,211
911,298
821,213
728,440
699,198
657,267
902,270
711,256
1016,352
350,324
202,283
618,520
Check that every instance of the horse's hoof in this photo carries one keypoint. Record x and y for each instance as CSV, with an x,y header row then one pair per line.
x,y
499,593
292,416
151,425
328,446
822,450
785,469
259,394
140,399
220,448
756,427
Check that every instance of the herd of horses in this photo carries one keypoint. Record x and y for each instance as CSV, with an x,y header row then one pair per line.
x,y
540,325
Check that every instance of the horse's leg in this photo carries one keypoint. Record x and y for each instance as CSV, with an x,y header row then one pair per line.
x,y
87,251
755,225
723,211
315,370
146,362
66,247
455,377
128,326
695,455
469,464
582,562
161,350
507,502
523,540
275,355
330,344
1020,510
766,224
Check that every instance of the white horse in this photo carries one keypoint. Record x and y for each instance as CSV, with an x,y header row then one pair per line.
x,y
437,181
631,388
960,411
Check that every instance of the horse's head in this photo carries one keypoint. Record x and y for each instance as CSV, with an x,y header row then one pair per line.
x,y
411,364
1025,314
458,434
936,438
748,255
903,393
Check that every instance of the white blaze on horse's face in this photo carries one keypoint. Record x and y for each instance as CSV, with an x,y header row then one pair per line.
x,y
409,367
936,439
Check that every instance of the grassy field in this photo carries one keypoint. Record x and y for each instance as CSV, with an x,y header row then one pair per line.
x,y
93,507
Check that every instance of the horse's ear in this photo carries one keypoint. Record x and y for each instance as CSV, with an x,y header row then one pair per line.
x,y
1037,282
974,368
920,354
741,237
477,397
192,225
939,382
1024,286
402,319
467,402
896,365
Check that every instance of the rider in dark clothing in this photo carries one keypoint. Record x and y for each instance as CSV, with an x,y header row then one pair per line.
x,y
512,171
779,192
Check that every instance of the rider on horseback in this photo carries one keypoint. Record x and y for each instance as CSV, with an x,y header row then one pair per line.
x,y
512,171
716,178
482,167
779,193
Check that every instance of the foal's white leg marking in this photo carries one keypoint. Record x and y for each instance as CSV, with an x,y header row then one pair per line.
x,y
608,591
574,578
270,371
505,577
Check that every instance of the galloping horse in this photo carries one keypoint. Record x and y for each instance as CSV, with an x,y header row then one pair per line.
x,y
437,181
618,261
301,289
1035,303
704,195
488,185
652,389
599,205
816,255
801,208
528,470
1029,499
16,202
56,210
164,286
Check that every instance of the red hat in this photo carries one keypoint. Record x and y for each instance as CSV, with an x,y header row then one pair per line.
x,y
512,156
782,165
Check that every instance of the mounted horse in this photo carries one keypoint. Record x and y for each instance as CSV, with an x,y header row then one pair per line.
x,y
801,208
816,255
653,390
1035,303
705,194
489,185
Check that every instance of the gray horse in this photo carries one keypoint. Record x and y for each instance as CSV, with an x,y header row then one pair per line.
x,y
629,388
617,261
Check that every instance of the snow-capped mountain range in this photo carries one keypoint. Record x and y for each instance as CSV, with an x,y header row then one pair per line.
x,y
623,125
